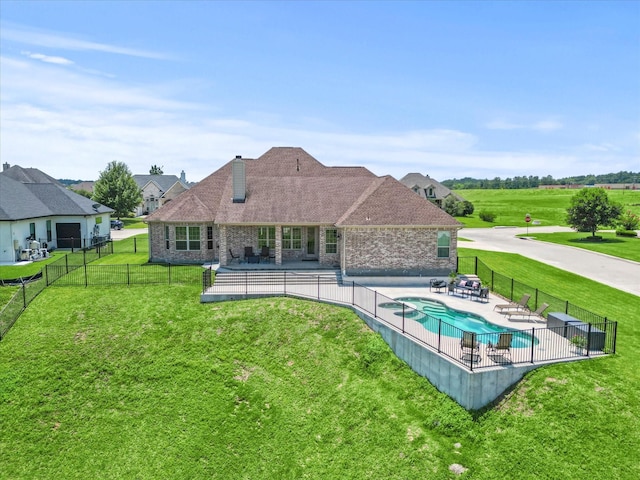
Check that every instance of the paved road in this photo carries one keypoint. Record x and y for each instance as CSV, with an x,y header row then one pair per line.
x,y
613,271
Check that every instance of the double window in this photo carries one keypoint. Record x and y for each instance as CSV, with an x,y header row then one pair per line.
x,y
210,238
444,244
291,238
187,238
266,237
331,240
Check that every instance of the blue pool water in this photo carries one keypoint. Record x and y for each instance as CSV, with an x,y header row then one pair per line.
x,y
429,312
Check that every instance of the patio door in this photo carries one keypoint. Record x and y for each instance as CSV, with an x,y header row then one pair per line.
x,y
312,243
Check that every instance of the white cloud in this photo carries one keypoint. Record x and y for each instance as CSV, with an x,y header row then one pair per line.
x,y
48,58
541,125
58,40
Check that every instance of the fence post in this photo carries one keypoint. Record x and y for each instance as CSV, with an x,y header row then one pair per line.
x,y
318,277
588,338
403,305
135,245
128,276
353,292
473,342
476,267
493,285
533,337
46,275
457,264
24,294
86,280
66,262
511,295
375,304
84,257
170,274
246,283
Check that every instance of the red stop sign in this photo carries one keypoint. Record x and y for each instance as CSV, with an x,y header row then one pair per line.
x,y
527,218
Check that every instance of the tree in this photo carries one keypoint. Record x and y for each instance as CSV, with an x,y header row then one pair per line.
x,y
591,207
155,170
117,189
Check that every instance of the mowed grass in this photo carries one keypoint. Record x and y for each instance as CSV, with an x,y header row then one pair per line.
x,y
549,207
142,382
623,247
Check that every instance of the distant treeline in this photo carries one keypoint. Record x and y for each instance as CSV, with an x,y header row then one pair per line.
x,y
535,181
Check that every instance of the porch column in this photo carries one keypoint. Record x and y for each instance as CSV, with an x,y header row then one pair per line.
x,y
278,244
224,251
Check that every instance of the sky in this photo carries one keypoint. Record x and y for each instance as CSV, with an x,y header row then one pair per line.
x,y
449,89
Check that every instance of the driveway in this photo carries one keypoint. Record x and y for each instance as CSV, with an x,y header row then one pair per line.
x,y
126,233
613,271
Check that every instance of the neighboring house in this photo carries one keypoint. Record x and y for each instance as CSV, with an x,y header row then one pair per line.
x,y
428,188
343,217
158,190
36,207
86,186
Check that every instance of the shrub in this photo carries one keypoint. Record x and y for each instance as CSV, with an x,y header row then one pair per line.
x,y
629,221
621,232
487,216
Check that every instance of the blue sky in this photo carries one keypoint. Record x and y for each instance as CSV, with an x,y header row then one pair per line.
x,y
449,89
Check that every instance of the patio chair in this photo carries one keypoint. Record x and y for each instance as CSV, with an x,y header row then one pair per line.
x,y
503,345
436,284
248,253
469,345
234,257
528,314
520,305
265,254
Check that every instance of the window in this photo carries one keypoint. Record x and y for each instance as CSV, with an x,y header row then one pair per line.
x,y
166,236
187,238
429,193
210,238
331,240
98,220
444,244
291,238
49,234
266,237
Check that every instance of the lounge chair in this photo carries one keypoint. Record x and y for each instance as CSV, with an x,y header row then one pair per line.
x,y
528,314
470,345
520,305
265,254
503,345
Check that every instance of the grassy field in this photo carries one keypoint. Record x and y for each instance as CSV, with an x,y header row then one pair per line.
x,y
549,207
144,382
623,247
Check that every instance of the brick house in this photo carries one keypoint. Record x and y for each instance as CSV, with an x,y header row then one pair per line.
x,y
286,200
158,190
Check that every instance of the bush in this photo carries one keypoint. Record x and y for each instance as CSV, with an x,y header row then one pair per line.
x,y
621,232
629,221
487,216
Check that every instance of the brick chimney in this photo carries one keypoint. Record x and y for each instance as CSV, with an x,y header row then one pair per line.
x,y
183,177
5,166
238,177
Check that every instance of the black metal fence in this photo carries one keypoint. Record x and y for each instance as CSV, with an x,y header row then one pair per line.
x,y
526,346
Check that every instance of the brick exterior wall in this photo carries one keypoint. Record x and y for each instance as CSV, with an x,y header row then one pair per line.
x,y
367,250
159,253
396,251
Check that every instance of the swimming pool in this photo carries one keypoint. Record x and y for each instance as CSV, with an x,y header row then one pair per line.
x,y
428,312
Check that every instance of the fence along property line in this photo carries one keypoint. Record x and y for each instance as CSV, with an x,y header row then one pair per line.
x,y
531,346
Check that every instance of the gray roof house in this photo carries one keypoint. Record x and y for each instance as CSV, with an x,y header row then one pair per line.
x,y
428,188
35,207
158,190
286,207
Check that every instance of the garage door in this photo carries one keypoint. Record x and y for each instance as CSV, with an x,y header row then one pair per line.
x,y
68,235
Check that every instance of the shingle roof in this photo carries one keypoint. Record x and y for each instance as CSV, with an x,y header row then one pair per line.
x,y
286,185
164,182
421,181
40,196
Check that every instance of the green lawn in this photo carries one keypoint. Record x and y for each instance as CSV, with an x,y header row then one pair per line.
x,y
549,207
144,382
623,247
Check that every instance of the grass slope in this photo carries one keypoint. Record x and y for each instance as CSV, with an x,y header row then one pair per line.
x,y
148,383
549,207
